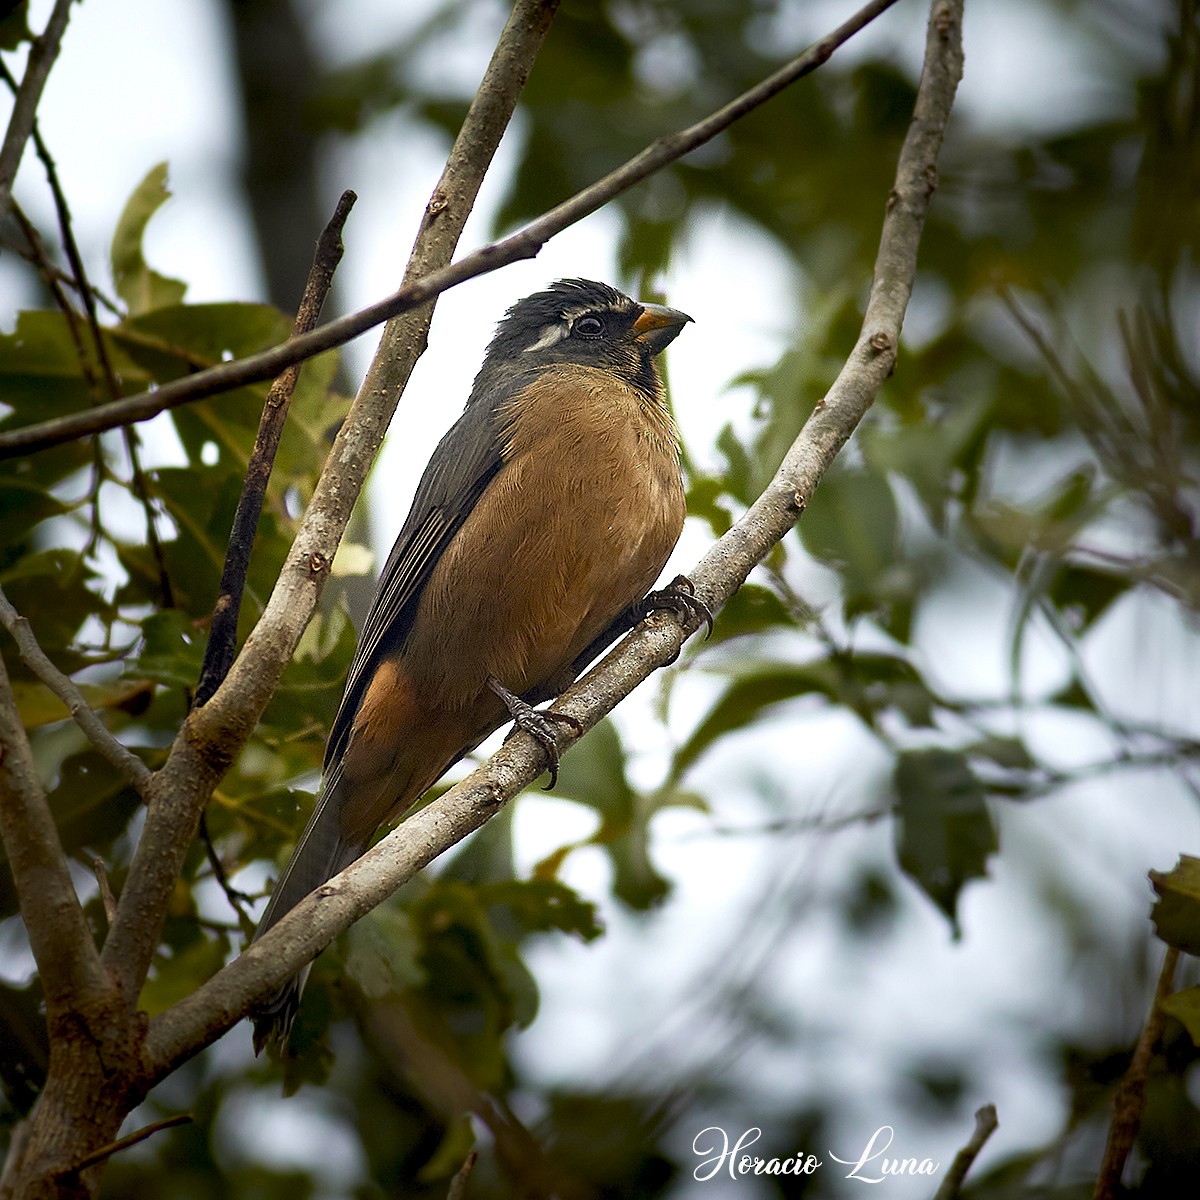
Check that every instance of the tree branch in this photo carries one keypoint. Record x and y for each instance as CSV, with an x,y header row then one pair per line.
x,y
67,962
420,287
178,1033
986,1124
34,657
42,53
1130,1099
222,634
213,735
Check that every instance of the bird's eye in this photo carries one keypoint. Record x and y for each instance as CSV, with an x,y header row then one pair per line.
x,y
589,327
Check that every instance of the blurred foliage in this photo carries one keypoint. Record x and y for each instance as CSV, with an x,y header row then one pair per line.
x,y
1041,427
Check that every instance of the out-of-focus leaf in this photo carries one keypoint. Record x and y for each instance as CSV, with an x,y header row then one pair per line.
x,y
593,773
142,288
1008,752
852,524
867,684
703,501
40,706
53,590
751,609
24,503
172,650
1176,912
24,1048
312,683
14,24
944,832
928,451
177,976
1184,1006
383,953
542,905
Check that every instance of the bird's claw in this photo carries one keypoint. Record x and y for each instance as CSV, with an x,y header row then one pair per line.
x,y
538,723
679,597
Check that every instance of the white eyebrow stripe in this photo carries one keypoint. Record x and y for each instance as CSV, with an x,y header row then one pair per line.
x,y
551,335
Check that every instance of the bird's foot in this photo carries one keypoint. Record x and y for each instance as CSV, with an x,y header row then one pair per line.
x,y
537,723
679,597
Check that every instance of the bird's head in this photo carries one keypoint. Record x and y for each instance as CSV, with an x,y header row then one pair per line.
x,y
584,323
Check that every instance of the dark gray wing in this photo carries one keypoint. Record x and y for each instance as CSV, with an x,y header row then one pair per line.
x,y
461,468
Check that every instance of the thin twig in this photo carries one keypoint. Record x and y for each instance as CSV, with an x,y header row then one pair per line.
x,y
1130,1098
986,1124
34,657
42,54
178,1033
458,1185
222,636
107,899
98,1156
526,243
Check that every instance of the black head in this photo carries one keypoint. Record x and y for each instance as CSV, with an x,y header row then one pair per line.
x,y
584,323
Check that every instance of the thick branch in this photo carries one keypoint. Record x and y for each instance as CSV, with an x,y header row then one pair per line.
x,y
67,962
34,657
181,1031
213,734
42,54
424,286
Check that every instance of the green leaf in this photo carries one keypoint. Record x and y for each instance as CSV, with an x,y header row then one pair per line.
x,y
927,451
172,650
142,288
14,25
851,523
1010,753
177,976
751,609
593,773
1184,1006
383,953
542,905
1176,913
944,832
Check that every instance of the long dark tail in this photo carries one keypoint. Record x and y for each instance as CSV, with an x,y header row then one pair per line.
x,y
320,854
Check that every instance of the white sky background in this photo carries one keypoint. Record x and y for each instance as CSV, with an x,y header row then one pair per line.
x,y
613,1006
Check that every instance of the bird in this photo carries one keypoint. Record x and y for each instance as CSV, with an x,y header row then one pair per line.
x,y
545,514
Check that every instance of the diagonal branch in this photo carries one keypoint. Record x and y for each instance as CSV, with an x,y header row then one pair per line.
x,y
34,657
42,53
184,1029
213,734
423,286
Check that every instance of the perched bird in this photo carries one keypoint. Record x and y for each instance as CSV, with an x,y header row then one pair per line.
x,y
544,516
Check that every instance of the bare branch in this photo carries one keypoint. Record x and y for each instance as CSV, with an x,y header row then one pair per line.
x,y
58,934
213,734
178,1033
222,635
42,54
986,1124
34,657
1130,1099
132,1139
421,287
